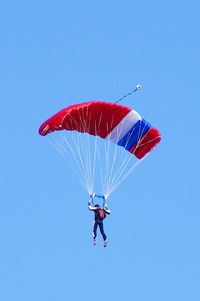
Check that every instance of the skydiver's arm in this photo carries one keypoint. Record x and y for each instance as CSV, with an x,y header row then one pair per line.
x,y
91,208
107,211
91,201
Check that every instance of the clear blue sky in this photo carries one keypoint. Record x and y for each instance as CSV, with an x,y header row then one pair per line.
x,y
54,54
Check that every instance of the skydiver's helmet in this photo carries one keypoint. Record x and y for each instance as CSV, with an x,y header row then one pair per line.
x,y
97,205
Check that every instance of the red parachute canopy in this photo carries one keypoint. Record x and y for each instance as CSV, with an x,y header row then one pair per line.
x,y
112,121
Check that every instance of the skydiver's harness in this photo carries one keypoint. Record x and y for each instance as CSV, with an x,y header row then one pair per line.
x,y
101,214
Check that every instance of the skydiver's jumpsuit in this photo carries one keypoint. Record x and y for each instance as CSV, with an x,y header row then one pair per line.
x,y
98,221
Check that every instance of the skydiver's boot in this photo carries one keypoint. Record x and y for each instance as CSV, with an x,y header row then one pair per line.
x,y
105,243
94,241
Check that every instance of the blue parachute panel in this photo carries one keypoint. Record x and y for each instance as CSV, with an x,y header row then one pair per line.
x,y
134,134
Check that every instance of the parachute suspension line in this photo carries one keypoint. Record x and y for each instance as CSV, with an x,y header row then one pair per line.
x,y
100,163
112,172
94,161
120,171
109,180
107,162
75,149
85,153
77,156
79,147
88,167
100,158
115,185
83,158
109,158
62,146
115,165
138,86
124,164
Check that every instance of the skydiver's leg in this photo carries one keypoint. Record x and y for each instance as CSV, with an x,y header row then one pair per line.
x,y
95,233
102,231
95,230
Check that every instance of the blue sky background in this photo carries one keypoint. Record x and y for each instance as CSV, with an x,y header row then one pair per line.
x,y
54,54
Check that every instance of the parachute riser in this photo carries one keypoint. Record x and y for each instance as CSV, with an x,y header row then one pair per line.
x,y
98,196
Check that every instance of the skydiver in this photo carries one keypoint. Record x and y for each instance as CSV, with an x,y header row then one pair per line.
x,y
98,219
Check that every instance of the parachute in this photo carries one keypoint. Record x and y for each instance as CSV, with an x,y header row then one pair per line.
x,y
103,121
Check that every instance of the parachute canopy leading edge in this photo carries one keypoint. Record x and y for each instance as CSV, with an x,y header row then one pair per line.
x,y
111,121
